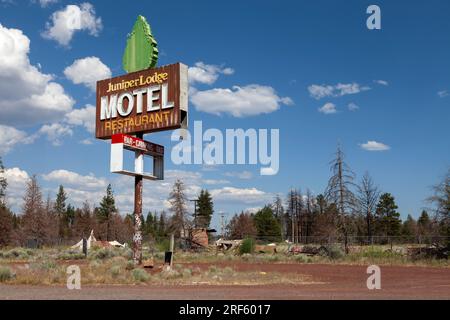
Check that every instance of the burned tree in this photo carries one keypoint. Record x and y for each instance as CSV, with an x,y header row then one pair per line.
x,y
178,200
339,192
34,218
3,183
291,213
278,211
241,226
367,199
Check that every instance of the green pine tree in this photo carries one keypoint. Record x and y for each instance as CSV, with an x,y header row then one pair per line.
x,y
106,210
60,211
205,209
409,228
424,224
388,221
162,226
150,225
267,225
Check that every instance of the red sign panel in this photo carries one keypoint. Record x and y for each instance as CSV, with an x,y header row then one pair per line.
x,y
133,143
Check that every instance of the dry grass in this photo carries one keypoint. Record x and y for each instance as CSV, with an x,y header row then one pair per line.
x,y
113,266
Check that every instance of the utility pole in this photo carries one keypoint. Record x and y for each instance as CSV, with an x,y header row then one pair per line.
x,y
195,211
222,225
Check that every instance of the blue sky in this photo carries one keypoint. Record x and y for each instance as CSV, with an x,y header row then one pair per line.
x,y
398,77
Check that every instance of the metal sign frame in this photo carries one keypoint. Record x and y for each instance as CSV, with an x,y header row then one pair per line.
x,y
142,148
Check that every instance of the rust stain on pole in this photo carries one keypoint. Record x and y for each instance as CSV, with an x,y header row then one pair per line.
x,y
137,238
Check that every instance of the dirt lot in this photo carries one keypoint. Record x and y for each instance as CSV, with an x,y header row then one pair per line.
x,y
330,282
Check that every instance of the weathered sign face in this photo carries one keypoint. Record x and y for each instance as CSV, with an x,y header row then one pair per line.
x,y
141,102
133,143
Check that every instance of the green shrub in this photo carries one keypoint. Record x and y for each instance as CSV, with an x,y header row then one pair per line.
x,y
115,270
159,255
228,270
129,265
378,253
94,264
212,269
47,265
103,253
127,253
246,256
170,274
71,255
301,258
119,261
18,253
5,274
335,252
140,275
186,273
247,246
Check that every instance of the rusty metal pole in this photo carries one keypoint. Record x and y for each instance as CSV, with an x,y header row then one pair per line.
x,y
137,237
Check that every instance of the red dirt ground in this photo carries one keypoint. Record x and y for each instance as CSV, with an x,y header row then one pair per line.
x,y
334,282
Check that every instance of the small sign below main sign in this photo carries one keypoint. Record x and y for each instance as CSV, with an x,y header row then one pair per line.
x,y
142,102
136,144
142,148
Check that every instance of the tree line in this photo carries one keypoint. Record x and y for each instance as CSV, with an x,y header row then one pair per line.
x,y
55,221
345,211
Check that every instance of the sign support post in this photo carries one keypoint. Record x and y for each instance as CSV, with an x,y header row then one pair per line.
x,y
147,99
137,237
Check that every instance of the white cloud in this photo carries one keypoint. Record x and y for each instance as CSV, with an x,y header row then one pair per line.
x,y
339,90
55,132
443,93
10,137
5,3
374,146
381,82
82,117
244,101
253,210
328,108
215,181
87,141
17,180
241,175
72,18
45,3
91,188
241,195
87,71
74,179
206,73
353,106
27,95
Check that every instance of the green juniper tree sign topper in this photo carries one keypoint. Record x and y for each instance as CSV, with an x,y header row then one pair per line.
x,y
141,51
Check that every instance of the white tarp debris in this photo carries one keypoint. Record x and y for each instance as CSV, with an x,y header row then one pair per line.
x,y
90,241
117,244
